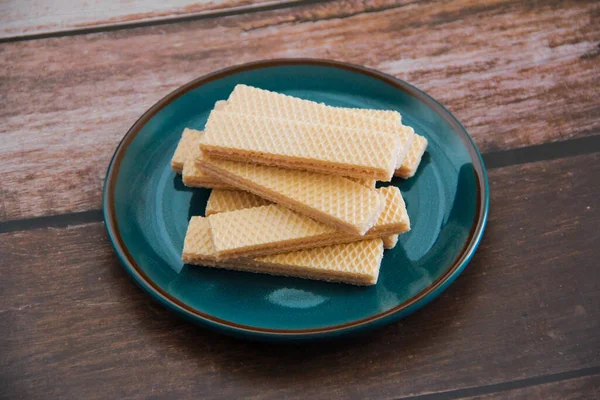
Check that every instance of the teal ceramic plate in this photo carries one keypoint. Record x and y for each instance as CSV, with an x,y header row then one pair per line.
x,y
147,208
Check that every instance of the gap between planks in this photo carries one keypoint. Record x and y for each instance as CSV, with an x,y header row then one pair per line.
x,y
492,160
506,386
210,14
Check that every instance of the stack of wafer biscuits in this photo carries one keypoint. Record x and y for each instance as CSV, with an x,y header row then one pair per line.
x,y
294,186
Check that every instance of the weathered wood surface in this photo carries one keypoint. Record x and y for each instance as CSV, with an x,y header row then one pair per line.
x,y
521,322
22,18
584,388
514,73
73,325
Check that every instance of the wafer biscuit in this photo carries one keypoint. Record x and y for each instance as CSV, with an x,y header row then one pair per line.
x,y
275,229
413,159
330,199
231,200
254,101
356,263
299,145
193,176
190,139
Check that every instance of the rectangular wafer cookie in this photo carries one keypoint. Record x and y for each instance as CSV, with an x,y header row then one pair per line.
x,y
330,199
231,200
299,145
254,101
356,263
413,159
188,151
275,229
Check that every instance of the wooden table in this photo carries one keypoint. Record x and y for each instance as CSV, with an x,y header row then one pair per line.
x,y
523,321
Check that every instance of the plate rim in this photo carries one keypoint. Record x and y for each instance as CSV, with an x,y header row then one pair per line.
x,y
407,307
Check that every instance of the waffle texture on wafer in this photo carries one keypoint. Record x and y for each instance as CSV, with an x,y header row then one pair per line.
x,y
198,247
413,159
188,150
294,186
299,145
356,263
265,230
251,100
231,200
193,176
366,182
254,101
394,218
330,199
190,139
275,229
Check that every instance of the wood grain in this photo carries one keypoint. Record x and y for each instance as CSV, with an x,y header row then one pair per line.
x,y
514,75
583,388
20,18
73,325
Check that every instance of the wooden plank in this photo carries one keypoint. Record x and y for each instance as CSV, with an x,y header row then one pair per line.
x,y
513,74
34,17
73,325
583,388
